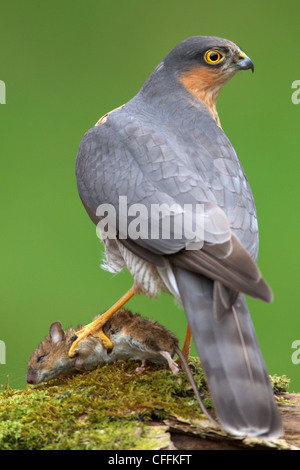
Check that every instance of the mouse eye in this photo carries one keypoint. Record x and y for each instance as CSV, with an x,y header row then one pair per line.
x,y
40,358
213,56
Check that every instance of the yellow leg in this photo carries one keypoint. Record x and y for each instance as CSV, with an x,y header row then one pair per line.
x,y
186,346
95,328
187,343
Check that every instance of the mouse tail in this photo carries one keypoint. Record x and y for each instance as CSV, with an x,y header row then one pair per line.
x,y
194,385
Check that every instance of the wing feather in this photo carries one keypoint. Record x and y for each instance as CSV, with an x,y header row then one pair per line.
x,y
127,156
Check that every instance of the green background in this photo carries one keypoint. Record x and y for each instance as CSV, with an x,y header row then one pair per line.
x,y
65,64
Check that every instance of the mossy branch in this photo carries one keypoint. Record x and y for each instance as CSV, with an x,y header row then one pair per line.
x,y
114,408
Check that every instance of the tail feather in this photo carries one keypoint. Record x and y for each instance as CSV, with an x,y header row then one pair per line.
x,y
231,359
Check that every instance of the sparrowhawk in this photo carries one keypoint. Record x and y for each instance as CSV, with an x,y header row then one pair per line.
x,y
167,146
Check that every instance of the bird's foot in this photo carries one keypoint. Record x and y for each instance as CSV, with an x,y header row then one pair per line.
x,y
91,329
95,328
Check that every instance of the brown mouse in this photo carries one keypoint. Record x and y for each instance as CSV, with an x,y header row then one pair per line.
x,y
134,337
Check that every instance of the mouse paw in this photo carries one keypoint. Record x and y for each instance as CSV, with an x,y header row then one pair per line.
x,y
171,363
142,367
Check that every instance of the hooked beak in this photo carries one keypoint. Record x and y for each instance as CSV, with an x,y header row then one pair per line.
x,y
244,62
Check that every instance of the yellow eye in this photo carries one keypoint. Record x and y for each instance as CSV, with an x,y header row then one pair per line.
x,y
213,57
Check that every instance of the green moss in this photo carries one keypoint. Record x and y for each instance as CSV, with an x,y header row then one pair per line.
x,y
279,383
108,408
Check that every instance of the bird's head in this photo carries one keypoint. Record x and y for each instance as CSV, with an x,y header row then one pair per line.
x,y
203,64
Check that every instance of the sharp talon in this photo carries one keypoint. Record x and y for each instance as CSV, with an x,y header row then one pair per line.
x,y
73,338
72,350
193,368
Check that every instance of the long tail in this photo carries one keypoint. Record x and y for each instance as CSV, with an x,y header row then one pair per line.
x,y
231,359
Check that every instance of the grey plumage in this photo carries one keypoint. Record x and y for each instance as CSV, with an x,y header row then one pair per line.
x,y
164,146
231,359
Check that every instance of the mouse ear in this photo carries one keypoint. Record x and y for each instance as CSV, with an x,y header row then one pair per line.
x,y
56,332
